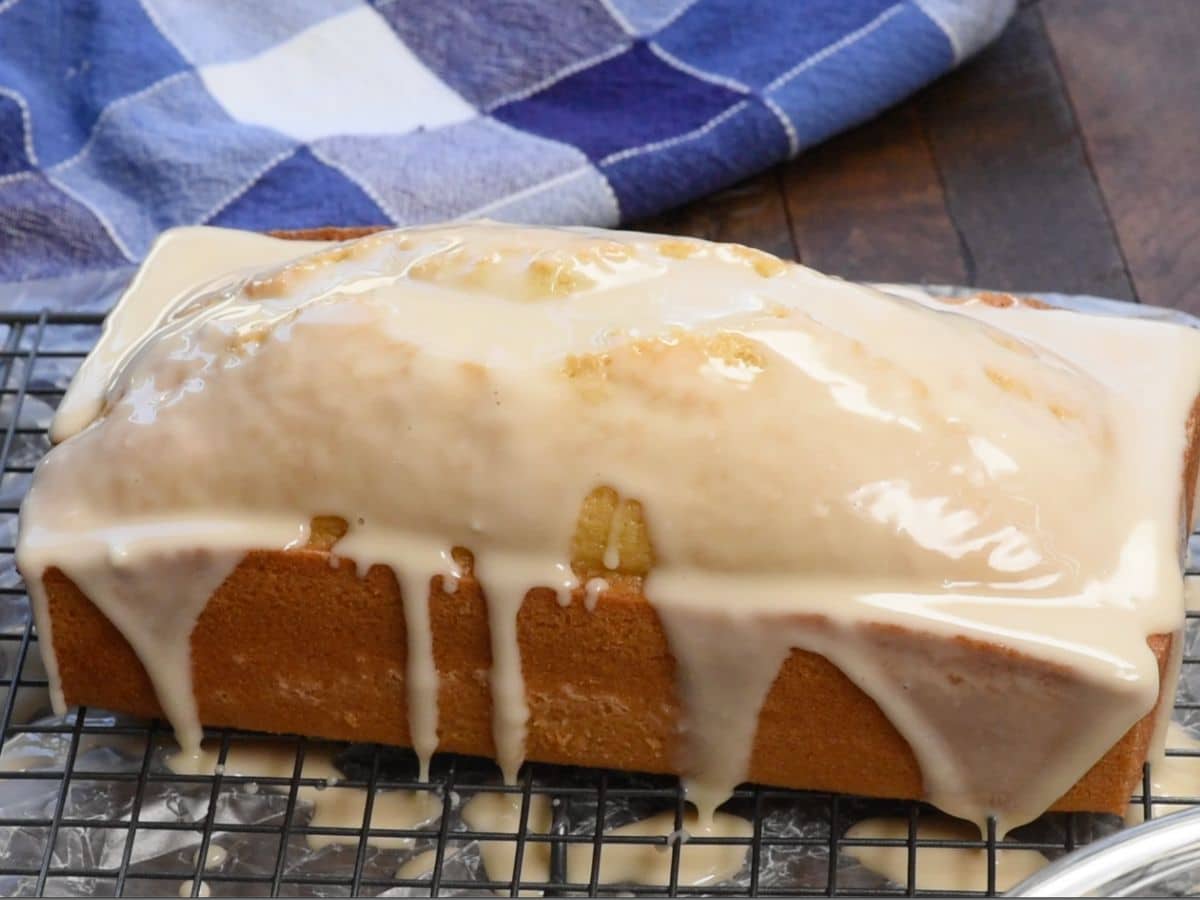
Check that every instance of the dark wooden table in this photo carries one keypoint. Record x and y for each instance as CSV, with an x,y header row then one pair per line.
x,y
1065,157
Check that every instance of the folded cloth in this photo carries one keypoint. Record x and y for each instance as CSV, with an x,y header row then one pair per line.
x,y
121,118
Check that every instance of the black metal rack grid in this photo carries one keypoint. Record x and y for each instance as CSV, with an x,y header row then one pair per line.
x,y
38,355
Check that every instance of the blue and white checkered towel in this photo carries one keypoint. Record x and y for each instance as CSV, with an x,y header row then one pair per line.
x,y
120,118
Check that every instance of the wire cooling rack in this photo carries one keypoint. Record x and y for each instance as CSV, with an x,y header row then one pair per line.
x,y
98,826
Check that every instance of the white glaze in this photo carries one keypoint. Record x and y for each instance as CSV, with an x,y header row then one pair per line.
x,y
501,814
954,870
418,866
592,592
215,857
185,260
332,806
647,864
125,577
343,807
185,889
414,564
1171,776
815,459
650,864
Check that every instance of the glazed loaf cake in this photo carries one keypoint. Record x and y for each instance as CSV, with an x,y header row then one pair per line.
x,y
619,500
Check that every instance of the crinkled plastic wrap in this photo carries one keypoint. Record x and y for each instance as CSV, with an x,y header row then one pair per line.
x,y
117,769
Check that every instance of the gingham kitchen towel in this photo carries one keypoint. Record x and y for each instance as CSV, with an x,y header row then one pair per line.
x,y
120,118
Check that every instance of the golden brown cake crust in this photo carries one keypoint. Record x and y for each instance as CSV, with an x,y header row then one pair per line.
x,y
328,234
295,641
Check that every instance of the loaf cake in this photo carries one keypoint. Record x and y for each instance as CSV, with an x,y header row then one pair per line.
x,y
622,500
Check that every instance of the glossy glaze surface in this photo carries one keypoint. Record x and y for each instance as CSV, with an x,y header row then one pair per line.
x,y
813,462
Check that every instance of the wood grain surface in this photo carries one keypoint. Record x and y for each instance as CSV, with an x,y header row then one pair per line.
x,y
1065,157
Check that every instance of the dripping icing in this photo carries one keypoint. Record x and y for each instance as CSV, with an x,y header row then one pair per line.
x,y
592,592
1171,775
